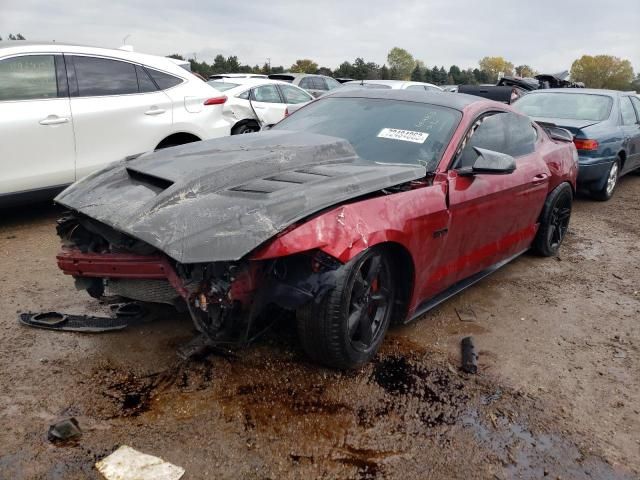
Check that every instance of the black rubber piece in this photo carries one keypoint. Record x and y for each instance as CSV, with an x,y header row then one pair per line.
x,y
74,323
469,356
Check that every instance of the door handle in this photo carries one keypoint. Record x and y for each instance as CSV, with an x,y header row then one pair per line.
x,y
540,178
155,111
53,120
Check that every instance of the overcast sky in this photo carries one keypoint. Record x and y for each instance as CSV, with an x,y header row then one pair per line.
x,y
548,35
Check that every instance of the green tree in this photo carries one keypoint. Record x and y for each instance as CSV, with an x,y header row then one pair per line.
x,y
495,65
325,71
525,71
177,56
456,75
418,73
219,64
602,71
384,73
401,63
266,69
304,65
344,70
233,65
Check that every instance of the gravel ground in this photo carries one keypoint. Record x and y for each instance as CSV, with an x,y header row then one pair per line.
x,y
557,394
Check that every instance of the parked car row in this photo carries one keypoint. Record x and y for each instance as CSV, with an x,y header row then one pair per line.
x,y
66,111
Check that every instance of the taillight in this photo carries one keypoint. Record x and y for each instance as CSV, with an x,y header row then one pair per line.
x,y
215,100
286,112
585,144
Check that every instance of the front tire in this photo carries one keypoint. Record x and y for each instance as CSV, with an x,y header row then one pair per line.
x,y
606,192
554,221
346,329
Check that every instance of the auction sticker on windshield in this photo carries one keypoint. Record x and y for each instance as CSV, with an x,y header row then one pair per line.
x,y
404,135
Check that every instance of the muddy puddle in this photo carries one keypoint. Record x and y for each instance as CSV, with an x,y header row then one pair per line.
x,y
386,421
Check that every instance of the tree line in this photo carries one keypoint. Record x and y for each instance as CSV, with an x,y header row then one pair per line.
x,y
600,71
17,36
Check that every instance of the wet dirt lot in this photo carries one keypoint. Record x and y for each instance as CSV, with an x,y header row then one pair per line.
x,y
557,394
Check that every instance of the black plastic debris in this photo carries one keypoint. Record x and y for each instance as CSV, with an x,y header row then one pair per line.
x,y
64,430
127,310
469,356
74,323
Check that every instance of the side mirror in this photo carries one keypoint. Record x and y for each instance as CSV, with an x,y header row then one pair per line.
x,y
490,162
560,134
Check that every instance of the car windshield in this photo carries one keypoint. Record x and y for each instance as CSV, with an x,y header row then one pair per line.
x,y
223,86
570,106
381,130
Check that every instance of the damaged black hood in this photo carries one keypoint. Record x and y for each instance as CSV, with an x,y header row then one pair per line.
x,y
218,200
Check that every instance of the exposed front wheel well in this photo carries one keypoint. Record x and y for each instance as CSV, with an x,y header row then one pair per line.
x,y
175,139
403,272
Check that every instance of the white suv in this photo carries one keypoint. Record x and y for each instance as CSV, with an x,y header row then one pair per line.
x,y
67,110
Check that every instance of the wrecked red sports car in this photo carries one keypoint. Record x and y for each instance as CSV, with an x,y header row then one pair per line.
x,y
362,209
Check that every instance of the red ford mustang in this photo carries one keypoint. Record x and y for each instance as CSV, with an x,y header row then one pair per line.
x,y
361,209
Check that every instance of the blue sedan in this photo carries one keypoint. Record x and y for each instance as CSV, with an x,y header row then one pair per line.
x,y
606,129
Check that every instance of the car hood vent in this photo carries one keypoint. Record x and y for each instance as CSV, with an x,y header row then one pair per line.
x,y
155,183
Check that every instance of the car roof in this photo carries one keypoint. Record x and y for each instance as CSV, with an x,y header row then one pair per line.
x,y
457,101
589,91
295,75
248,81
15,47
391,83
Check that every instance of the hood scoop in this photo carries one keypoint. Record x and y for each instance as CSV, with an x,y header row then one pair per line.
x,y
153,182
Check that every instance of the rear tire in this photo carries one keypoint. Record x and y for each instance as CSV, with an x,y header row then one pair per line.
x,y
346,329
250,127
554,221
606,192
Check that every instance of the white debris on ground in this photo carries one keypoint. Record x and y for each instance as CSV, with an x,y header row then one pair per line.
x,y
129,464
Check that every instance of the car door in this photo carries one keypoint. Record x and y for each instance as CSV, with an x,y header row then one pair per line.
x,y
293,95
268,104
631,131
494,217
118,111
36,128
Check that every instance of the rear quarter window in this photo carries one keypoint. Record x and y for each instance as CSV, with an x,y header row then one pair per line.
x,y
164,80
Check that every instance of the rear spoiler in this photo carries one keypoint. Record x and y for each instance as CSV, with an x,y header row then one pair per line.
x,y
556,132
504,94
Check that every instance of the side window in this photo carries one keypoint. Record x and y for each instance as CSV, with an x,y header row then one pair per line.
x,y
636,103
244,95
102,76
294,95
267,93
627,111
28,77
501,132
331,83
415,87
144,81
163,80
307,83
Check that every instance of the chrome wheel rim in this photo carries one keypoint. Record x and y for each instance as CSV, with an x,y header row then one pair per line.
x,y
612,179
